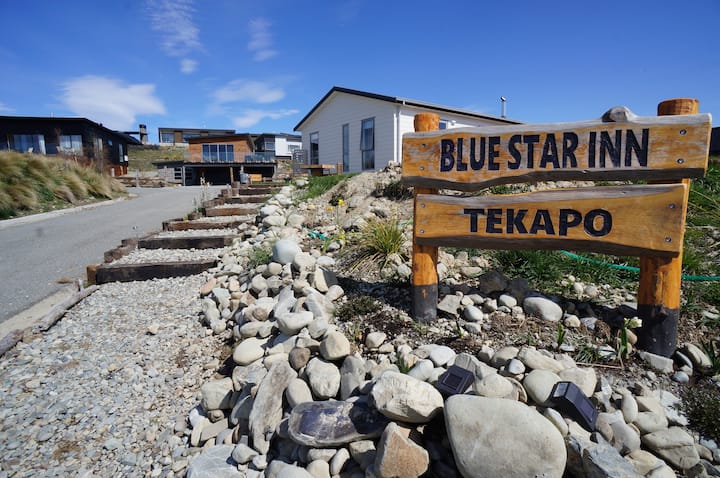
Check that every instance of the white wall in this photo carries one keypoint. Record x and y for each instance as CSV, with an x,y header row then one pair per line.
x,y
340,109
392,120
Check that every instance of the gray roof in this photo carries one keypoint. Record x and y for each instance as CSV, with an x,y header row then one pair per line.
x,y
403,101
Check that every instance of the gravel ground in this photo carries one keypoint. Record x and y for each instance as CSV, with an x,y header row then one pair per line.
x,y
198,233
101,392
140,256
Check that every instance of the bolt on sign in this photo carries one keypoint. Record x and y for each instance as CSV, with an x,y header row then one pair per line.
x,y
621,220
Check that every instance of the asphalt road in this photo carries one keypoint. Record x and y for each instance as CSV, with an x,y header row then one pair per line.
x,y
38,251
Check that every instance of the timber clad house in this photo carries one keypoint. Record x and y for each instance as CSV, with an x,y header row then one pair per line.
x,y
226,158
182,136
76,138
363,131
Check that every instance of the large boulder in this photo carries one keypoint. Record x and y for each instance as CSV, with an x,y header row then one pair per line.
x,y
501,437
404,398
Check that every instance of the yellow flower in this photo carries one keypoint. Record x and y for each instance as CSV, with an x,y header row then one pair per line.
x,y
341,202
329,208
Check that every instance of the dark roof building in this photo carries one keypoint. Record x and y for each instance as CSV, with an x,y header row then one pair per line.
x,y
79,138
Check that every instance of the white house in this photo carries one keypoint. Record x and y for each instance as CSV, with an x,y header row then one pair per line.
x,y
363,131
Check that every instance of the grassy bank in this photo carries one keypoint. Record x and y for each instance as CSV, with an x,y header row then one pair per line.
x,y
31,184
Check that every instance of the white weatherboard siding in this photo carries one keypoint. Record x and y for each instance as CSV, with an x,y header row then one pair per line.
x,y
392,120
343,109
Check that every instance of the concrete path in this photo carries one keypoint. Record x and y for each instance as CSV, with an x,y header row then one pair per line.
x,y
42,256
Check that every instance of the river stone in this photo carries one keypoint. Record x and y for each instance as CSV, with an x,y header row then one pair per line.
x,y
674,445
492,281
324,378
334,423
375,339
404,398
648,422
657,362
217,394
450,305
584,378
625,439
214,462
596,460
267,408
472,313
492,385
318,469
441,355
290,323
539,384
535,360
285,250
503,356
422,369
299,357
363,452
699,358
298,392
499,437
543,308
398,456
249,350
335,346
243,453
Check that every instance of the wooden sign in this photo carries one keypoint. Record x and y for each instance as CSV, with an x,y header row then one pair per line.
x,y
620,220
620,146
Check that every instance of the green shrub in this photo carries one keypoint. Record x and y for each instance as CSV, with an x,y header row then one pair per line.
x,y
356,306
394,190
701,405
317,185
376,242
259,256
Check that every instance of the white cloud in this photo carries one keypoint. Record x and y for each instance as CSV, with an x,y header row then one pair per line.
x,y
252,117
188,66
261,40
248,90
173,19
4,109
110,101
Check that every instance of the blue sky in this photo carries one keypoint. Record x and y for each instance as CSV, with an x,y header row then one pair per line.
x,y
261,66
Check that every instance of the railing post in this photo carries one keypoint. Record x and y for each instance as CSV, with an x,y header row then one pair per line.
x,y
424,258
660,277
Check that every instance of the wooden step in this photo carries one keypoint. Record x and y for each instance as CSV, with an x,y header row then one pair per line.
x,y
187,242
147,271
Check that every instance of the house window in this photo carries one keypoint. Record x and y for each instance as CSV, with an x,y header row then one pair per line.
x,y
29,143
167,137
314,148
367,143
443,124
269,145
71,143
187,136
218,153
346,147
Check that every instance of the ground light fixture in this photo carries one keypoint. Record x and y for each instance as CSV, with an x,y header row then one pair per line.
x,y
569,400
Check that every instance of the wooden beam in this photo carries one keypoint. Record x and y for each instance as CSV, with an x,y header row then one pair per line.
x,y
620,220
424,257
661,277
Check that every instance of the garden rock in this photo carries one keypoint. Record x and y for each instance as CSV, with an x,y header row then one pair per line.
x,y
404,398
334,423
499,437
399,457
543,308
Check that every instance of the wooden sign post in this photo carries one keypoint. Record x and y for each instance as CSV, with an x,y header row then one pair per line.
x,y
424,257
640,220
660,277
